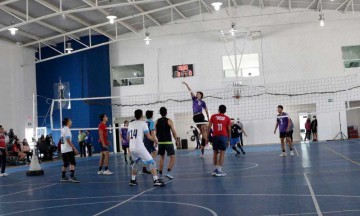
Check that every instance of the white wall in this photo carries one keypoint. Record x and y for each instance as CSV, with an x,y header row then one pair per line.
x,y
17,84
293,49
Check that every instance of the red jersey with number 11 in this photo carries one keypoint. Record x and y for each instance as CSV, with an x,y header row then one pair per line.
x,y
220,124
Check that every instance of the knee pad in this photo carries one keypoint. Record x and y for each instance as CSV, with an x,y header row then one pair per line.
x,y
66,165
152,165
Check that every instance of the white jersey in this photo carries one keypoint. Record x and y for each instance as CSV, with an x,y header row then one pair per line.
x,y
136,133
65,134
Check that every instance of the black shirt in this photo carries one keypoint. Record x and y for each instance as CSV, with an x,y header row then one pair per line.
x,y
235,131
163,130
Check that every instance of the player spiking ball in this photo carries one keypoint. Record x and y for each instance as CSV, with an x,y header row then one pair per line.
x,y
198,106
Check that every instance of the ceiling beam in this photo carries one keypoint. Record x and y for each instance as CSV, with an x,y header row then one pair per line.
x,y
289,2
178,11
261,3
147,15
21,14
119,19
81,10
308,7
338,8
319,5
73,17
8,2
106,13
208,8
234,3
348,5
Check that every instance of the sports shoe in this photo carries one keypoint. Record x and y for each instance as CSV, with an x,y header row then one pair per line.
x,y
220,174
107,172
214,172
159,183
169,175
291,153
133,183
100,172
66,179
74,180
1,175
237,155
283,154
243,152
202,156
4,174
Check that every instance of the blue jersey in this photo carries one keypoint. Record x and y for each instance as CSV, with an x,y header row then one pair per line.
x,y
123,134
198,105
151,125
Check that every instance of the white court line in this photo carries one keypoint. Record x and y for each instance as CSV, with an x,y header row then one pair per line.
x,y
128,200
296,151
179,203
317,207
343,156
28,190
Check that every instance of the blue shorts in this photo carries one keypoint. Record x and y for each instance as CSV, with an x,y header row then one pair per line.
x,y
234,141
220,143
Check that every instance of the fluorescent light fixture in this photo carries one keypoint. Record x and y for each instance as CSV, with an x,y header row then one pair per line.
x,y
68,49
13,30
217,5
147,38
111,18
233,29
322,19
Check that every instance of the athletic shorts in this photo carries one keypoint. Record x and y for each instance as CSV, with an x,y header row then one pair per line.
x,y
314,131
234,141
291,133
142,154
124,147
285,135
199,118
69,158
169,148
220,143
104,149
150,148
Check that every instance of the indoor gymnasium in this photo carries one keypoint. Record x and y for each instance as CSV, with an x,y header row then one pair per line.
x,y
179,107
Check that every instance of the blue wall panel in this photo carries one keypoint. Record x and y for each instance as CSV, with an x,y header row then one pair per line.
x,y
88,73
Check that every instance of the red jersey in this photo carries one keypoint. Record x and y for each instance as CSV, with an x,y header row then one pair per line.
x,y
2,141
102,127
221,124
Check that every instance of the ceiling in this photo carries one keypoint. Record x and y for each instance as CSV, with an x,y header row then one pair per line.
x,y
49,21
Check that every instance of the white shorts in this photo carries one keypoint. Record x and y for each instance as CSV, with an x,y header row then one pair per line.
x,y
141,153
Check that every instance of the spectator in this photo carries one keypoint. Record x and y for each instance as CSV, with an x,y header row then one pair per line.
x,y
314,126
3,151
26,149
81,140
88,142
196,135
43,148
308,129
11,136
16,150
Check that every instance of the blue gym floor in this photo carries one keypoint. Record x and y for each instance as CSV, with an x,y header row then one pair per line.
x,y
322,178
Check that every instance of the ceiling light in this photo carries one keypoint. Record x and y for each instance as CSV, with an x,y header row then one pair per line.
x,y
111,18
147,38
322,19
217,5
68,49
13,30
233,29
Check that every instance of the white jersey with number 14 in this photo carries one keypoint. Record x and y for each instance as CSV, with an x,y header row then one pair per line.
x,y
136,133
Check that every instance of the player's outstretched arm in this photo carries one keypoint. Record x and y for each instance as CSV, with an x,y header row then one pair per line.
x,y
188,87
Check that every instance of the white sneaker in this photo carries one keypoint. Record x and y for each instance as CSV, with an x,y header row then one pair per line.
x,y
1,175
202,156
107,172
283,154
100,172
291,153
5,174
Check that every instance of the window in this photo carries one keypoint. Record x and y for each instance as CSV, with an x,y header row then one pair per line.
x,y
351,56
247,64
128,75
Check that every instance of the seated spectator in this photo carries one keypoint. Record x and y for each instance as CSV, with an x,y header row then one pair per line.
x,y
26,149
16,150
